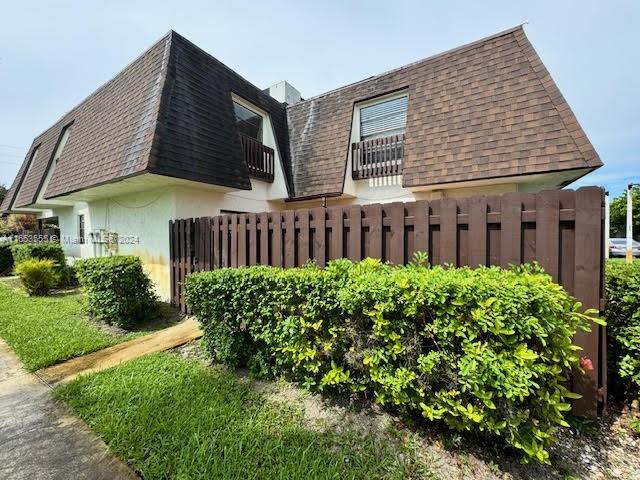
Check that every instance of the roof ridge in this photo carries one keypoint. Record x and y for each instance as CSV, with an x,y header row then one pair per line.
x,y
546,81
457,49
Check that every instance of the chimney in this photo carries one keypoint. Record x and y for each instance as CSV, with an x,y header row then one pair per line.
x,y
285,93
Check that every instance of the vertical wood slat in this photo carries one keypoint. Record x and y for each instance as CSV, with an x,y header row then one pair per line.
x,y
224,241
242,240
421,226
478,231
548,232
214,242
183,255
448,231
354,251
337,232
290,238
172,265
588,264
511,229
320,237
304,247
233,247
374,214
252,229
396,247
276,244
264,238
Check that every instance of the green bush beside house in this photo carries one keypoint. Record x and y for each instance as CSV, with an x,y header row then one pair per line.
x,y
41,250
45,250
485,350
623,328
118,290
38,276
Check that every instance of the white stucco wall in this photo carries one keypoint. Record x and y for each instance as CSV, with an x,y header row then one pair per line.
x,y
143,218
141,222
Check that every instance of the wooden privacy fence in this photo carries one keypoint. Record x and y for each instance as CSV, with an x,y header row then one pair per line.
x,y
562,230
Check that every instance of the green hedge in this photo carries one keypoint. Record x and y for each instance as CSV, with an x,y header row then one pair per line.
x,y
485,350
38,275
41,250
623,328
6,259
118,290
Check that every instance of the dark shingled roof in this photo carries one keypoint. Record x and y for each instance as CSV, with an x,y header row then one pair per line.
x,y
485,110
488,109
169,112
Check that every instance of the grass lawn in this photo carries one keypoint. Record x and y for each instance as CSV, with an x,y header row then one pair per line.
x,y
171,417
46,330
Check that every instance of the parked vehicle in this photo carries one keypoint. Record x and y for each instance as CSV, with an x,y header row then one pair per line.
x,y
618,247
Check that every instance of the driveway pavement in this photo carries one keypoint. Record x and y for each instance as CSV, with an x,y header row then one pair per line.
x,y
39,439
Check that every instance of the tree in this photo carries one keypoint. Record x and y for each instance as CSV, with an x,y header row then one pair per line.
x,y
618,213
19,222
3,192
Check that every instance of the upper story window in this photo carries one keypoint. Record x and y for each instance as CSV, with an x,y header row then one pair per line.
x,y
383,119
249,122
378,147
81,228
259,158
66,131
32,161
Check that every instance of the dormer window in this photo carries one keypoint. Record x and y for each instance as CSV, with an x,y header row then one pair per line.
x,y
380,149
384,118
249,122
259,157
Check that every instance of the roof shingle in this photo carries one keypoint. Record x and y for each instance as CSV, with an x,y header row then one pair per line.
x,y
484,110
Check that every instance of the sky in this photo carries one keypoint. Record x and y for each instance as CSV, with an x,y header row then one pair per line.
x,y
54,54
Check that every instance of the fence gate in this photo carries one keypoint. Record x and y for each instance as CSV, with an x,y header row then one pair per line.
x,y
561,229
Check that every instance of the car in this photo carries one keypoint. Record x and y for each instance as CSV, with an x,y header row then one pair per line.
x,y
618,247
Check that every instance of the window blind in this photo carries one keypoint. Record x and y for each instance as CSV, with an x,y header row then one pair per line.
x,y
385,118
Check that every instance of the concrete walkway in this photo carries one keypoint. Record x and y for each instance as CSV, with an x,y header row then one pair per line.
x,y
171,337
40,439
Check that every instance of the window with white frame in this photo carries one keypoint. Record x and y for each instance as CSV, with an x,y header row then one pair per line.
x,y
380,133
383,119
81,228
249,122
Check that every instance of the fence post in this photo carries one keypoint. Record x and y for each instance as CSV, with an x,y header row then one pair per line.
x,y
588,262
567,243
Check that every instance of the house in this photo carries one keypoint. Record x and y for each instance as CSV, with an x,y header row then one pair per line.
x,y
178,134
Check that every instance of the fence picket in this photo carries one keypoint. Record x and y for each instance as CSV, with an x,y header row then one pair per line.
x,y
560,229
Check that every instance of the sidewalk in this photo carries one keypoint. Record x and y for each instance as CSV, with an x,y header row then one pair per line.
x,y
39,439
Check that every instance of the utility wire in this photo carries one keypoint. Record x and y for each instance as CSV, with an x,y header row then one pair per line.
x,y
11,146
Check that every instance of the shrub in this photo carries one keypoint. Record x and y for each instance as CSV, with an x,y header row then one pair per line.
x,y
38,276
118,290
485,349
623,328
6,259
41,250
